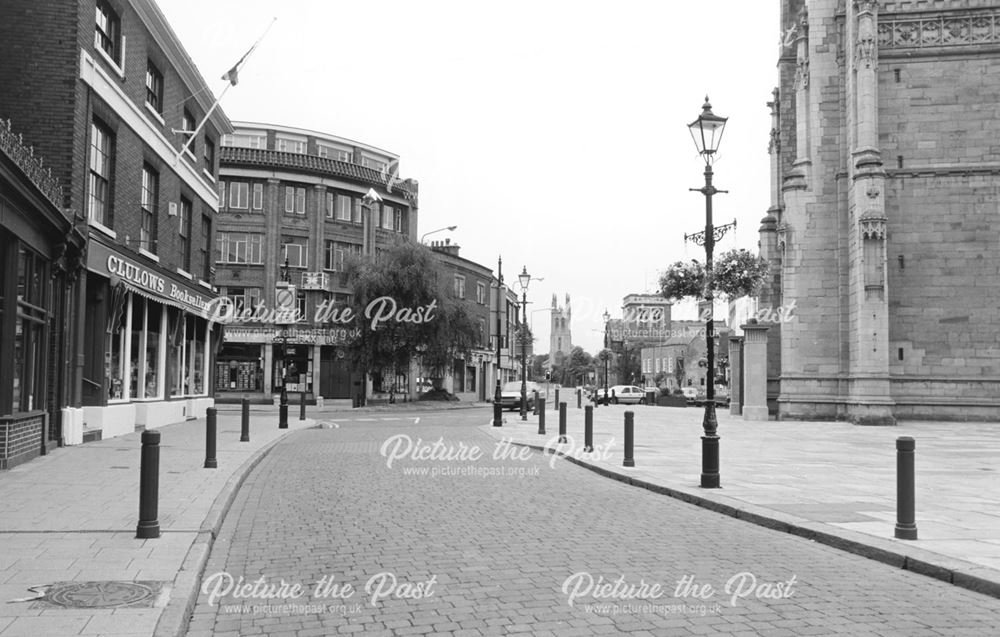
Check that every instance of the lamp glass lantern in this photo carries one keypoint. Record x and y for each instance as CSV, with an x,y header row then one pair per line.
x,y
706,131
524,278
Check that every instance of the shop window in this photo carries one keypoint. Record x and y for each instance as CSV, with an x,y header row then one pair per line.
x,y
29,371
175,352
194,381
151,362
119,316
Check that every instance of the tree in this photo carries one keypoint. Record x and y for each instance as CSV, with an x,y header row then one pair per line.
x,y
428,323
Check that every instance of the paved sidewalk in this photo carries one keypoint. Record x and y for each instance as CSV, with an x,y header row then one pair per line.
x,y
831,481
71,516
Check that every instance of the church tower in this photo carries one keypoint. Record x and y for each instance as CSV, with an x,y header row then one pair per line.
x,y
560,334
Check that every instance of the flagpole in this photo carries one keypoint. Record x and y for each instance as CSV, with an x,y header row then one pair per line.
x,y
229,83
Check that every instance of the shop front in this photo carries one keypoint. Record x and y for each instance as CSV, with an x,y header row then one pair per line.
x,y
310,359
148,348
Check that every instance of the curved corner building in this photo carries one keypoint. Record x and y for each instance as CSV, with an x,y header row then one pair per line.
x,y
295,196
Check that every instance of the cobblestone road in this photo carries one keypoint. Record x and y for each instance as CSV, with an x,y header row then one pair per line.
x,y
526,546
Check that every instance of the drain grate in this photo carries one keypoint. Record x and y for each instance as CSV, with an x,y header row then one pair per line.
x,y
103,594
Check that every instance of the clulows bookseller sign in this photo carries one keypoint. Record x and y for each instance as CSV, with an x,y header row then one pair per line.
x,y
146,280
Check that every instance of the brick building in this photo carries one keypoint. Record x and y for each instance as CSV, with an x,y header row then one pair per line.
x,y
41,259
298,196
104,91
474,377
883,228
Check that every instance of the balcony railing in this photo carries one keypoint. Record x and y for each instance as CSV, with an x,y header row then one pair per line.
x,y
239,156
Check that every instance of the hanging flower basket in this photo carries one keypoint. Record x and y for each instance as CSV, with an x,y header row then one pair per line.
x,y
739,273
682,280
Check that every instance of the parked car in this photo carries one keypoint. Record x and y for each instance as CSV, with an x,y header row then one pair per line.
x,y
691,393
627,395
510,394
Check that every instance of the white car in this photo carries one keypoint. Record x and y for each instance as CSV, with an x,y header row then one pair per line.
x,y
626,395
691,393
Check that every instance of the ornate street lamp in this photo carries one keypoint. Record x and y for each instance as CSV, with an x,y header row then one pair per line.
x,y
524,279
706,131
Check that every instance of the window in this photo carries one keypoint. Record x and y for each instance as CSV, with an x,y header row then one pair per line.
x,y
209,156
296,254
29,332
188,124
245,140
481,293
148,208
399,220
107,35
295,200
240,247
291,145
239,195
459,286
154,87
222,195
206,248
184,230
388,217
329,204
243,298
101,158
355,213
374,164
333,153
258,196
334,253
345,207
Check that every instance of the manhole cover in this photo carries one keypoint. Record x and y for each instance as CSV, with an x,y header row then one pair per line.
x,y
103,594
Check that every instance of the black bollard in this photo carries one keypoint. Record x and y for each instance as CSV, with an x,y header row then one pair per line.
x,y
555,404
149,486
562,423
245,422
629,439
535,404
579,398
906,527
588,429
541,417
710,462
302,407
210,431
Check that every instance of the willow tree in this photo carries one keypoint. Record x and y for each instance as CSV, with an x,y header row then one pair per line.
x,y
406,313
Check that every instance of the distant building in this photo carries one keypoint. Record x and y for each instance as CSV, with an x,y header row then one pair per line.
x,y
105,92
473,378
883,227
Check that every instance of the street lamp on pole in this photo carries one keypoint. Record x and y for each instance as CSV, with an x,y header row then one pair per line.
x,y
607,320
283,405
497,408
524,279
706,131
424,235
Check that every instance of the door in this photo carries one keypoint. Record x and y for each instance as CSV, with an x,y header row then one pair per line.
x,y
335,373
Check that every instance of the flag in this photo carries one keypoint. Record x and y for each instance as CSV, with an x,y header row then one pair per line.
x,y
232,75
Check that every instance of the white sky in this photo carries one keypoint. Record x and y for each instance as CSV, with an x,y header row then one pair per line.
x,y
553,133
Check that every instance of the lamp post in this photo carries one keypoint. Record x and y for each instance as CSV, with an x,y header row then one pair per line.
x,y
706,131
283,405
497,408
524,279
607,319
449,228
